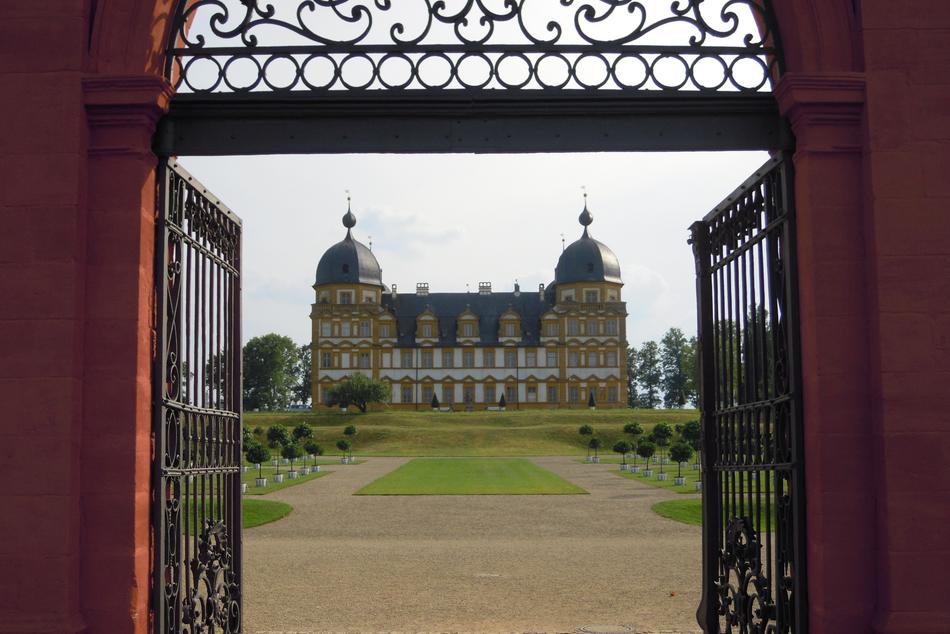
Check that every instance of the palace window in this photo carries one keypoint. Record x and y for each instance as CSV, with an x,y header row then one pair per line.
x,y
551,329
427,394
552,358
426,330
567,296
427,359
509,330
489,393
468,359
610,326
468,394
326,360
572,359
612,394
365,330
573,327
345,329
468,330
364,360
591,297
612,359
406,394
592,327
488,358
406,358
511,358
346,297
592,360
531,358
448,394
511,394
384,330
326,328
447,359
552,394
573,394
532,394
324,393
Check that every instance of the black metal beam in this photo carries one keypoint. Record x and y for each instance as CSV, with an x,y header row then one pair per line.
x,y
429,123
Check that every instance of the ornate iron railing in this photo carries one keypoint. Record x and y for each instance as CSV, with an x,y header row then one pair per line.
x,y
750,401
197,411
316,46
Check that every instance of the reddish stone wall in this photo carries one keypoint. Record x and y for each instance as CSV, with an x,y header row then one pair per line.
x,y
869,97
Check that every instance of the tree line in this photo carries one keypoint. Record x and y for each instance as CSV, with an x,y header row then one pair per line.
x,y
663,374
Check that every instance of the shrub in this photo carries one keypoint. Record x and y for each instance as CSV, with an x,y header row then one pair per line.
x,y
343,445
291,452
646,449
623,448
312,448
277,435
594,444
435,402
502,403
303,431
257,454
359,390
680,452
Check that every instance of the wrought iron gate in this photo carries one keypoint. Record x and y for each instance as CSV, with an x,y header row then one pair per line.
x,y
750,399
196,528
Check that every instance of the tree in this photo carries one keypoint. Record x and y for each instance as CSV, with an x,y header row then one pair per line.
x,y
246,436
350,433
270,363
673,384
649,374
344,446
586,430
633,399
502,403
646,449
594,444
590,399
302,432
312,448
692,434
257,454
291,452
691,371
634,429
277,435
623,448
661,435
303,371
357,389
435,401
680,452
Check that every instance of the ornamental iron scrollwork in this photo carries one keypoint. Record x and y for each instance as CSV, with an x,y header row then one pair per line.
x,y
197,418
750,403
300,46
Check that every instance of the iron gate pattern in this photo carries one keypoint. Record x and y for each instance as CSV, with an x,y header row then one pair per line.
x,y
328,46
197,426
753,495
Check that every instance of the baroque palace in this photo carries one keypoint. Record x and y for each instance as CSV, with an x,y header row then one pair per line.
x,y
549,348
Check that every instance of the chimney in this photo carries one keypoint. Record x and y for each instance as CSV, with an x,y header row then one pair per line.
x,y
517,289
394,291
422,288
541,292
484,288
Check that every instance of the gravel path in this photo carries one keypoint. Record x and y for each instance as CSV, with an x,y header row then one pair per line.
x,y
344,563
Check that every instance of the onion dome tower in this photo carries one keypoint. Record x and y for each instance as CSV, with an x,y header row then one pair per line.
x,y
586,259
349,261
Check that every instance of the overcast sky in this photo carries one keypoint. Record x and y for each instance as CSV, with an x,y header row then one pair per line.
x,y
452,220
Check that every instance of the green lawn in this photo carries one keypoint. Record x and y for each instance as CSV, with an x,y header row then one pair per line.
x,y
685,511
257,512
510,433
470,476
669,469
251,475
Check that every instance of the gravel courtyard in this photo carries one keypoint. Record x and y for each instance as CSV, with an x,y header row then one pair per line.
x,y
344,563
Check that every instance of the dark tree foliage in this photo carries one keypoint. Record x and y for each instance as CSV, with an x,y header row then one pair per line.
x,y
649,375
312,448
302,431
692,434
594,443
359,390
435,401
291,452
680,452
674,379
502,403
590,399
646,449
623,448
633,397
344,446
270,372
277,435
303,372
257,454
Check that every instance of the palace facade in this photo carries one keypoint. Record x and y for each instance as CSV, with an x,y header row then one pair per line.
x,y
548,348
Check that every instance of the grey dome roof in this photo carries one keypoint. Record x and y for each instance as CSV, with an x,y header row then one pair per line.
x,y
587,260
349,261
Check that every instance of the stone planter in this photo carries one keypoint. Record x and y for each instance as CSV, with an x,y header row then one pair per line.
x,y
589,459
285,461
623,467
680,480
278,478
244,468
696,466
699,486
344,460
257,465
648,473
260,482
275,463
316,468
666,460
244,487
635,468
595,459
661,477
343,410
304,471
291,475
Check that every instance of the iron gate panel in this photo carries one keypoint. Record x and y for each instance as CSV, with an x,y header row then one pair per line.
x,y
750,402
196,528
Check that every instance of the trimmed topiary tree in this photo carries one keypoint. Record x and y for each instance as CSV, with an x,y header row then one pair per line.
x,y
257,454
661,436
646,449
344,446
277,436
312,448
680,452
622,447
291,452
594,444
502,403
302,432
586,430
591,403
435,401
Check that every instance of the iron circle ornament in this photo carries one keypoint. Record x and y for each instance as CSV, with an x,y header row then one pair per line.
x,y
433,58
268,33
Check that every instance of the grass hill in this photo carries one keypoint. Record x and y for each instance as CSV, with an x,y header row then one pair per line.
x,y
511,433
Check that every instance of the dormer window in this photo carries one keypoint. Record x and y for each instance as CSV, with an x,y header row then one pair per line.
x,y
468,330
426,330
509,330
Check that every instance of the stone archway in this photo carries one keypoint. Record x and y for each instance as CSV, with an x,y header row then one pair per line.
x,y
863,366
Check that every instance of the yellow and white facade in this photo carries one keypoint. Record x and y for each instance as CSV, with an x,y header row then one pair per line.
x,y
549,348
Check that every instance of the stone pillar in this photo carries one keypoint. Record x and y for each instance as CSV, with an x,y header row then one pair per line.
x,y
122,113
826,114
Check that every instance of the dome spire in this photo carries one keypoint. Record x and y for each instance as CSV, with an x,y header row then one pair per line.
x,y
349,220
586,218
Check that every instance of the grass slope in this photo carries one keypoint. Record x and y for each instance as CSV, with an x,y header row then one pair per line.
x,y
685,511
670,484
512,433
251,475
257,512
470,476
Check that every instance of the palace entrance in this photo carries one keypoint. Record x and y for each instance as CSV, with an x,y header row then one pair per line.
x,y
335,76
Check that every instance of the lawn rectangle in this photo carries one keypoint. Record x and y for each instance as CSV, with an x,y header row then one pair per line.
x,y
470,476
